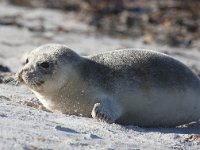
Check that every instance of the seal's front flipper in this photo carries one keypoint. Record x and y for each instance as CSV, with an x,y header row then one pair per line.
x,y
100,113
105,113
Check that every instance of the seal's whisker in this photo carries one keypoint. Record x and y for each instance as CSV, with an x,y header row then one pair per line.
x,y
39,82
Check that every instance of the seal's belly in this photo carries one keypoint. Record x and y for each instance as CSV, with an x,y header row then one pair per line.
x,y
161,108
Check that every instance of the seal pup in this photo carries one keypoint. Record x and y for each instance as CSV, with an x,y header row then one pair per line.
x,y
138,87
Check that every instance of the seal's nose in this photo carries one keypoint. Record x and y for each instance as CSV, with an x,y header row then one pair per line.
x,y
19,75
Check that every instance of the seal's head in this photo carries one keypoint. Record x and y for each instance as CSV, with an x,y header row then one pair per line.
x,y
48,67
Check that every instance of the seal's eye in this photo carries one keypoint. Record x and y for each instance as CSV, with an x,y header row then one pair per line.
x,y
27,61
44,65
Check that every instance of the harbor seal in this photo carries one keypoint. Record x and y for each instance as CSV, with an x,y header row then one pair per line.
x,y
128,87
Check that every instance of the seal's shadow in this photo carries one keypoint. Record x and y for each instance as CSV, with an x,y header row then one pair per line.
x,y
191,128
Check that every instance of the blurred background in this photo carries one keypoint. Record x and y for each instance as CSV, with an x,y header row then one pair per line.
x,y
92,26
172,22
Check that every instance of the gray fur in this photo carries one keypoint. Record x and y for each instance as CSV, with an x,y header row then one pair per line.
x,y
137,87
